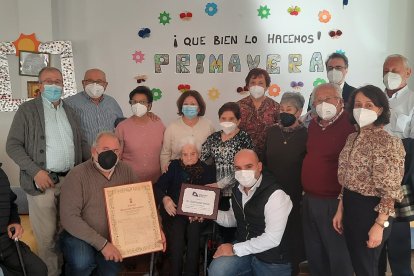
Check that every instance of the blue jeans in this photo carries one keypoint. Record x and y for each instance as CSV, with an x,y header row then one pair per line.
x,y
81,258
246,265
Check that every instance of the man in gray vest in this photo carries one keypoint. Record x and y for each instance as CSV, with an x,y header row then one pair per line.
x,y
259,209
45,141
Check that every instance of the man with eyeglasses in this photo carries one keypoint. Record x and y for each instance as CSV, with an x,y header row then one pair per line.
x,y
337,68
98,112
396,72
327,133
45,141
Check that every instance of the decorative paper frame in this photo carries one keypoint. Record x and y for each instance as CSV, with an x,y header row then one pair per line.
x,y
32,87
62,48
37,61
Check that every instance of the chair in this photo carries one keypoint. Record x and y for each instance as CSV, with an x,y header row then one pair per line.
x,y
23,208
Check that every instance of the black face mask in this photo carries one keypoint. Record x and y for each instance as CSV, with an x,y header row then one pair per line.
x,y
287,119
107,159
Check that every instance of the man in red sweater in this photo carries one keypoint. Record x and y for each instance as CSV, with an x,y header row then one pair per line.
x,y
325,249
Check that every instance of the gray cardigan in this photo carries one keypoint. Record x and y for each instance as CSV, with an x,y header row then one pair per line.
x,y
26,142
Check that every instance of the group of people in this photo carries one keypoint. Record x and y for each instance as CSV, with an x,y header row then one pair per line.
x,y
331,186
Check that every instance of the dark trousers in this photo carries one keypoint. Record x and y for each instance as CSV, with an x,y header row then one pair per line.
x,y
359,216
182,234
294,232
9,259
325,249
398,249
227,234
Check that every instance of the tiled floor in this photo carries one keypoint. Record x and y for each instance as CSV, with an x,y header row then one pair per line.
x,y
142,267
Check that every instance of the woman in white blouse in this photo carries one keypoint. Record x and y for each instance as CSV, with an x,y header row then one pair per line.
x,y
191,108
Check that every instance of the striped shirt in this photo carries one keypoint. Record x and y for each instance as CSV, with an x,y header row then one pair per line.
x,y
95,118
60,149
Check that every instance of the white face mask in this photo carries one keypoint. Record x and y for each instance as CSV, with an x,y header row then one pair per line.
x,y
245,178
256,91
94,90
392,80
364,116
335,76
228,127
326,110
139,110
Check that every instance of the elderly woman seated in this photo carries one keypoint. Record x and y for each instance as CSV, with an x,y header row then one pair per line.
x,y
181,232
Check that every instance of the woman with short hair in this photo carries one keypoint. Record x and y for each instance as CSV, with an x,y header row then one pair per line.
x,y
141,136
183,235
221,147
191,108
284,151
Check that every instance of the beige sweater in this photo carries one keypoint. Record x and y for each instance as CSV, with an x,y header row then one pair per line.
x,y
82,202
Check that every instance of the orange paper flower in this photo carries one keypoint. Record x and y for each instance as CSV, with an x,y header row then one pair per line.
x,y
274,90
324,16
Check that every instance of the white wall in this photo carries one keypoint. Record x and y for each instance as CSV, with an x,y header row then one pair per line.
x,y
103,33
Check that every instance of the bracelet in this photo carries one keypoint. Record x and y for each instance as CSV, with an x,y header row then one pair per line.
x,y
382,226
106,242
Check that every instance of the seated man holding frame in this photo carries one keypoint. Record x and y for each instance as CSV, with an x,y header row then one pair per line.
x,y
260,210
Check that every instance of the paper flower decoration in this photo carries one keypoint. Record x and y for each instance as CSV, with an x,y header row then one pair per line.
x,y
26,43
156,94
294,10
186,16
274,90
183,87
141,78
242,89
324,16
263,12
335,33
296,85
213,94
211,9
318,81
340,51
164,18
144,32
138,57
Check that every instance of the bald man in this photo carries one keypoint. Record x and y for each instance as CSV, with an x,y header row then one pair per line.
x,y
97,111
259,209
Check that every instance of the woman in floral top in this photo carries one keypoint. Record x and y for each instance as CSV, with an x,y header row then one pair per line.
x,y
221,147
371,167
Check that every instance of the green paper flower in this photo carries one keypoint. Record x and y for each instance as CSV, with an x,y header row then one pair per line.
x,y
264,12
318,81
156,94
164,18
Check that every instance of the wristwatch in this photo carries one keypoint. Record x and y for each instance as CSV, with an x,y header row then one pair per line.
x,y
384,224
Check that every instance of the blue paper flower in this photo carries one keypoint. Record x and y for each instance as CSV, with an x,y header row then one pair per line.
x,y
144,32
340,51
211,9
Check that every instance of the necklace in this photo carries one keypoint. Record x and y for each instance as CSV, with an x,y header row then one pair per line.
x,y
286,138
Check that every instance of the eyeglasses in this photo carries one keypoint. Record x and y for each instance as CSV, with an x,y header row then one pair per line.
x,y
132,102
50,82
328,99
339,68
100,82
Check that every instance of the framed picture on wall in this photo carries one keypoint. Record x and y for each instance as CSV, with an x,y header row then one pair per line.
x,y
33,89
30,63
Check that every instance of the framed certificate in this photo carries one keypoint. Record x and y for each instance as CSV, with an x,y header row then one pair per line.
x,y
198,201
133,219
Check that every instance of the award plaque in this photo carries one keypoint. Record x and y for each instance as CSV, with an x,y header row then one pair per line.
x,y
133,219
198,201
